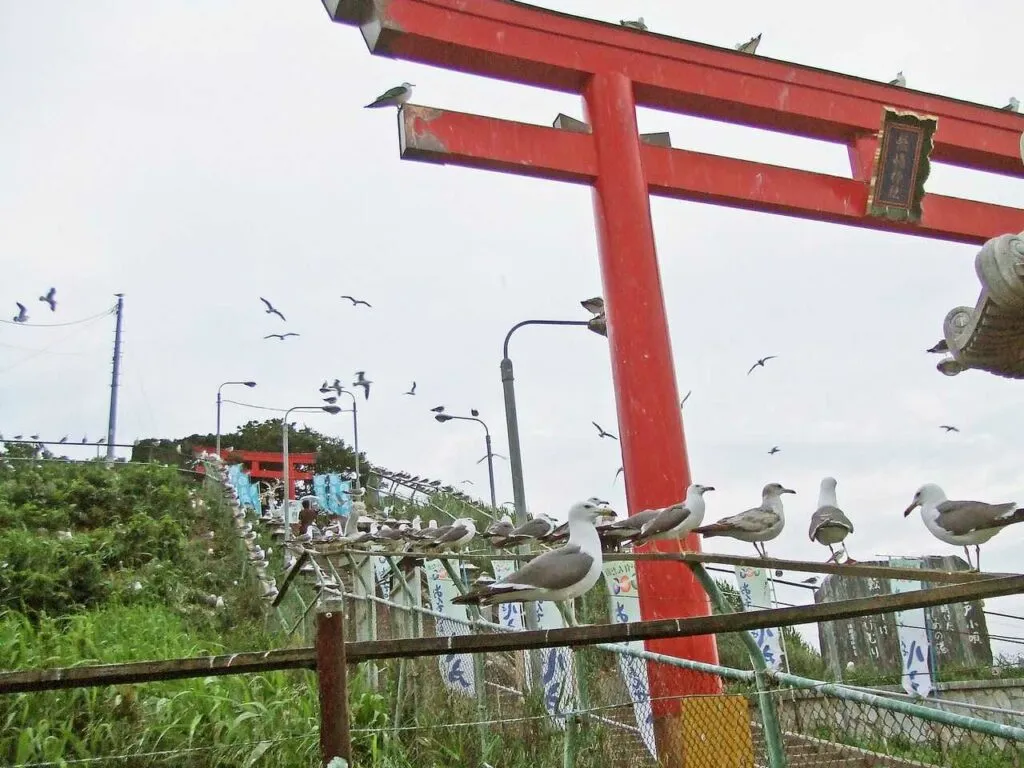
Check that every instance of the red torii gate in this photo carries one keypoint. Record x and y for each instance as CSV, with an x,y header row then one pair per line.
x,y
615,69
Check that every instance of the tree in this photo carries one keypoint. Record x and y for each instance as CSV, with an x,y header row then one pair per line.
x,y
332,453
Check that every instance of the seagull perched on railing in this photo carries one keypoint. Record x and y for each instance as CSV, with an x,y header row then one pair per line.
x,y
676,521
22,315
536,528
829,524
962,523
559,575
497,533
757,525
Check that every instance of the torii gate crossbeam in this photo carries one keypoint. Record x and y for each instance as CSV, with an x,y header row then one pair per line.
x,y
616,69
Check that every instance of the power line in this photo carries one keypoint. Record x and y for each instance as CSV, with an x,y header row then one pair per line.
x,y
60,325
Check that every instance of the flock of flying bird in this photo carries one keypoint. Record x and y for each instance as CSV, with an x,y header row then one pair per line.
x,y
49,298
272,310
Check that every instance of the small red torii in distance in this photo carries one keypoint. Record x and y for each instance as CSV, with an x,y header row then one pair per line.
x,y
615,69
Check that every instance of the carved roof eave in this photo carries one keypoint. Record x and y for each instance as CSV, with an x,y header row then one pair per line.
x,y
990,336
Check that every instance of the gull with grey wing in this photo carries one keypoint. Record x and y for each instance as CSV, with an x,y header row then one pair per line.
x,y
756,525
962,523
678,520
559,575
829,524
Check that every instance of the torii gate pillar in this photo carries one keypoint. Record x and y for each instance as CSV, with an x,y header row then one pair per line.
x,y
655,464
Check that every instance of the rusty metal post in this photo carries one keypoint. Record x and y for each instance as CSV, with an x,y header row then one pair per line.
x,y
332,679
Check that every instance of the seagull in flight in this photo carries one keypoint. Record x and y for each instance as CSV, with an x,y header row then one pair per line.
x,y
494,455
412,389
393,97
601,431
618,472
63,439
467,482
438,409
760,363
474,412
362,381
281,336
330,400
949,428
687,397
356,302
751,45
22,315
51,299
774,450
271,310
940,346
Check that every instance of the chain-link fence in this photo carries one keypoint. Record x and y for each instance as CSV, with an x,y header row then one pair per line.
x,y
594,706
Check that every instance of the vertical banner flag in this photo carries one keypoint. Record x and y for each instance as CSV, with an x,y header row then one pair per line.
x,y
912,631
624,607
320,489
511,615
557,670
382,575
756,595
456,668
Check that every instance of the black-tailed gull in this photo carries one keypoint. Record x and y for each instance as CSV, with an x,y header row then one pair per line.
x,y
678,520
962,523
541,525
829,524
393,97
559,575
756,525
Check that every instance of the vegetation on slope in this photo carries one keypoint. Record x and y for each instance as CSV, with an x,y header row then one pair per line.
x,y
106,563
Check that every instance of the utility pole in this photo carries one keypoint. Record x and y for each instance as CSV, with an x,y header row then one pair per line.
x,y
115,374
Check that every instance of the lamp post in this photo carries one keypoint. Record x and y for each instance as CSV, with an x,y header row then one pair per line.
x,y
443,417
249,384
332,409
598,325
355,424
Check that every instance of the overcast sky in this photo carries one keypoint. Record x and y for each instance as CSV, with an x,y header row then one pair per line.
x,y
196,156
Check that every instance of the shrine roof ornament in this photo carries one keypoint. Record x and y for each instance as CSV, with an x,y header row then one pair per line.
x,y
990,336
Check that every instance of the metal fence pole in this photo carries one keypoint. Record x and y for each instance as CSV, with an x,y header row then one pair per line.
x,y
335,740
769,715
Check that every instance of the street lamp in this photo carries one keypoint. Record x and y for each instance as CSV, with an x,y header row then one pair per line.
x,y
443,417
355,424
249,384
599,325
331,409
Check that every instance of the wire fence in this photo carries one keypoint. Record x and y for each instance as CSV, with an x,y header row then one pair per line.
x,y
586,706
600,705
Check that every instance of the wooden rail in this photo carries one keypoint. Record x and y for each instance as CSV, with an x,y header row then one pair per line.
x,y
305,658
856,571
